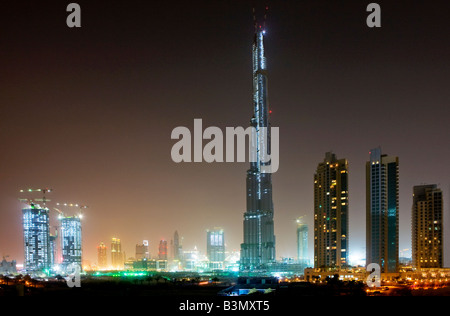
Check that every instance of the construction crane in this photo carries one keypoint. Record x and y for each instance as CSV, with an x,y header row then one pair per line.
x,y
43,191
61,214
79,206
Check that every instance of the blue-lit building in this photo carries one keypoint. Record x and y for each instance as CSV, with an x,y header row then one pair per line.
x,y
53,249
258,247
302,242
36,239
382,207
71,242
215,248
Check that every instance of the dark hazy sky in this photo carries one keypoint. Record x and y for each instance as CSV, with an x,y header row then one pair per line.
x,y
89,111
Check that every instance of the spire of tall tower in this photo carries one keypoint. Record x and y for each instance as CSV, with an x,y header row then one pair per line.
x,y
260,23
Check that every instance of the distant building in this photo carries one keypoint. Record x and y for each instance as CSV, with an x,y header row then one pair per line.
x,y
71,242
191,259
54,250
177,248
162,251
142,252
302,242
427,227
215,248
7,268
331,203
117,256
36,238
102,256
382,211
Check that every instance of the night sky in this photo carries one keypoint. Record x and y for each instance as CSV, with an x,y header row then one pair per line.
x,y
89,111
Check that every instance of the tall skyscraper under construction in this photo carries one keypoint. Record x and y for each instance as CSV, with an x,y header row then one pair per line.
x,y
36,239
71,242
258,248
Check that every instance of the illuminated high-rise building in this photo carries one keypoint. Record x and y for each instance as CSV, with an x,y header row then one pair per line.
x,y
54,250
117,256
71,242
102,256
302,242
215,248
177,248
427,227
382,207
36,239
142,252
258,248
162,250
331,213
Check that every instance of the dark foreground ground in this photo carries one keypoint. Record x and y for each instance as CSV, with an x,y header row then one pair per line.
x,y
163,288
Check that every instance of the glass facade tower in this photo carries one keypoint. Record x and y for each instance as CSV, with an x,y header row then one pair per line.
x,y
71,248
382,206
36,238
215,248
302,242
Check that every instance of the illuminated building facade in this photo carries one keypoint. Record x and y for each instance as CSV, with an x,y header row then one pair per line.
x,y
382,206
117,256
427,227
54,250
102,256
36,238
7,268
142,252
177,248
258,247
162,250
71,242
331,213
215,248
302,242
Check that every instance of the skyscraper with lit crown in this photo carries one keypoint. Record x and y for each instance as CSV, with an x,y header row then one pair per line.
x,y
258,248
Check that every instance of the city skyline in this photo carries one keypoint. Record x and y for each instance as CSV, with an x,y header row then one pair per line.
x,y
107,101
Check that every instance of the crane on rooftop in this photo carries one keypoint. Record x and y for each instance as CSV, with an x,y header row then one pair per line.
x,y
69,205
44,200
